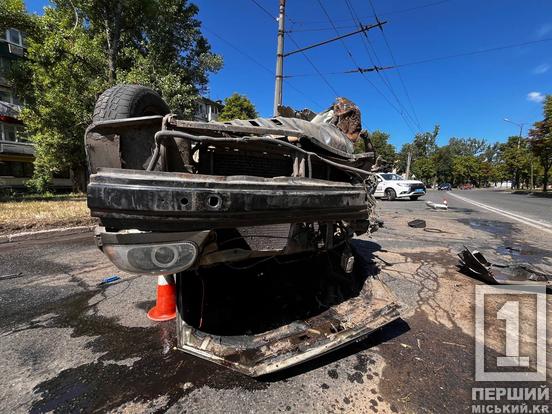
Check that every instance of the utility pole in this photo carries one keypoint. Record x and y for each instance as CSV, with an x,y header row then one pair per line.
x,y
408,161
280,55
280,58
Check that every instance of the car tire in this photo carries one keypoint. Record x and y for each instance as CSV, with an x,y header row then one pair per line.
x,y
129,101
414,198
390,194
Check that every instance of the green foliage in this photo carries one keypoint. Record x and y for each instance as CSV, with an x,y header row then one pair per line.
x,y
237,106
82,47
540,142
424,169
381,145
516,157
13,14
423,146
465,168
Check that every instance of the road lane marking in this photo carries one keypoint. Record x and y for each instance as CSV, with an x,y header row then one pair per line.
x,y
546,227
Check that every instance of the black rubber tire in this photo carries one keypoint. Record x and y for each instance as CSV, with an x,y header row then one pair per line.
x,y
414,198
391,194
129,101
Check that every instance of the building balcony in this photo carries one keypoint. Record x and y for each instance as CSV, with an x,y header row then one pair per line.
x,y
17,148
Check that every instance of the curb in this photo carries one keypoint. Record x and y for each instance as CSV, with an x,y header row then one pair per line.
x,y
44,234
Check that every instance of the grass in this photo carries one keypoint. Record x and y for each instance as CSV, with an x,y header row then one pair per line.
x,y
39,213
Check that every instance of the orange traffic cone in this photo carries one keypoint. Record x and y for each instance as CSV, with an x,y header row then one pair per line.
x,y
165,307
445,202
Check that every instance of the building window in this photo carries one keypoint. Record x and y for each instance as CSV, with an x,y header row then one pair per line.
x,y
5,95
14,36
13,133
16,169
5,65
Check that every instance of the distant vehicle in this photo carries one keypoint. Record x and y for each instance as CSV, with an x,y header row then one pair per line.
x,y
444,187
467,186
392,186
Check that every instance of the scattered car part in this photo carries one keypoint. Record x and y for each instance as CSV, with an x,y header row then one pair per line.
x,y
474,263
437,206
417,224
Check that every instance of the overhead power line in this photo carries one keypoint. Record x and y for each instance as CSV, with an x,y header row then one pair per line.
x,y
314,67
388,13
262,66
395,63
260,6
401,112
475,52
438,58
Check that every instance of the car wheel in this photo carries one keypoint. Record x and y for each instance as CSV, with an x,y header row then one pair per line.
x,y
129,101
414,198
390,194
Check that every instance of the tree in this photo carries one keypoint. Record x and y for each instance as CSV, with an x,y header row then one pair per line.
x,y
13,14
517,159
540,141
237,106
424,145
82,47
382,147
465,168
424,169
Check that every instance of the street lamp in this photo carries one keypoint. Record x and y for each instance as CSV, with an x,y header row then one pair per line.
x,y
520,125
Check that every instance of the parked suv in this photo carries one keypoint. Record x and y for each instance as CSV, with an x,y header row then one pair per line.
x,y
392,186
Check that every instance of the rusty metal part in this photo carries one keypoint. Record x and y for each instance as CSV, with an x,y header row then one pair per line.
x,y
288,112
346,116
166,201
474,263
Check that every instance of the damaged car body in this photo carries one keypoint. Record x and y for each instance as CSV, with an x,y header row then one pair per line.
x,y
220,203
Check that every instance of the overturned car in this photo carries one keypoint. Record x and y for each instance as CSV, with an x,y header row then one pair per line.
x,y
223,206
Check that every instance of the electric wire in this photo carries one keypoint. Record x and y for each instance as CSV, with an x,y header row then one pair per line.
x,y
377,63
351,57
407,94
261,65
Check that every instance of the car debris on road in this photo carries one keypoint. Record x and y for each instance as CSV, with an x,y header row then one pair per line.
x,y
474,263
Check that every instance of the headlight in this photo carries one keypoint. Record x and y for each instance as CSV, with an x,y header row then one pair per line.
x,y
155,259
403,185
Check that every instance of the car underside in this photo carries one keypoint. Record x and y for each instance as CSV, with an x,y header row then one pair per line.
x,y
188,198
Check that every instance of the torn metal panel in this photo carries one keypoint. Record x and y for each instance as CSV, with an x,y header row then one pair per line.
x,y
296,342
476,264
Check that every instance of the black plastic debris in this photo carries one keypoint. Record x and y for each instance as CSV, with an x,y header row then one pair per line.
x,y
417,224
474,263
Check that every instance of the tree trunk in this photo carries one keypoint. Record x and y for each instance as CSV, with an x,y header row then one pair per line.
x,y
113,37
78,179
545,178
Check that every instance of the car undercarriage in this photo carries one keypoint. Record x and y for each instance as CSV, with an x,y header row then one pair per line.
x,y
193,198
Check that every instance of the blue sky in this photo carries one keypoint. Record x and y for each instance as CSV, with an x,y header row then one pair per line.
x,y
468,96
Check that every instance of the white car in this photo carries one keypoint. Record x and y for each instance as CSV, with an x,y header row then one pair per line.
x,y
392,186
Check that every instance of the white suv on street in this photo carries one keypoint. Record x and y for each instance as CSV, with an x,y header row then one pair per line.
x,y
392,186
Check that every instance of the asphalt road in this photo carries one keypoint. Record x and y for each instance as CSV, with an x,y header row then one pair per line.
x,y
70,345
536,208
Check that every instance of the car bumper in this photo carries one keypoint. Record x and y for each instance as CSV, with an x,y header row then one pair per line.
x,y
408,193
162,201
